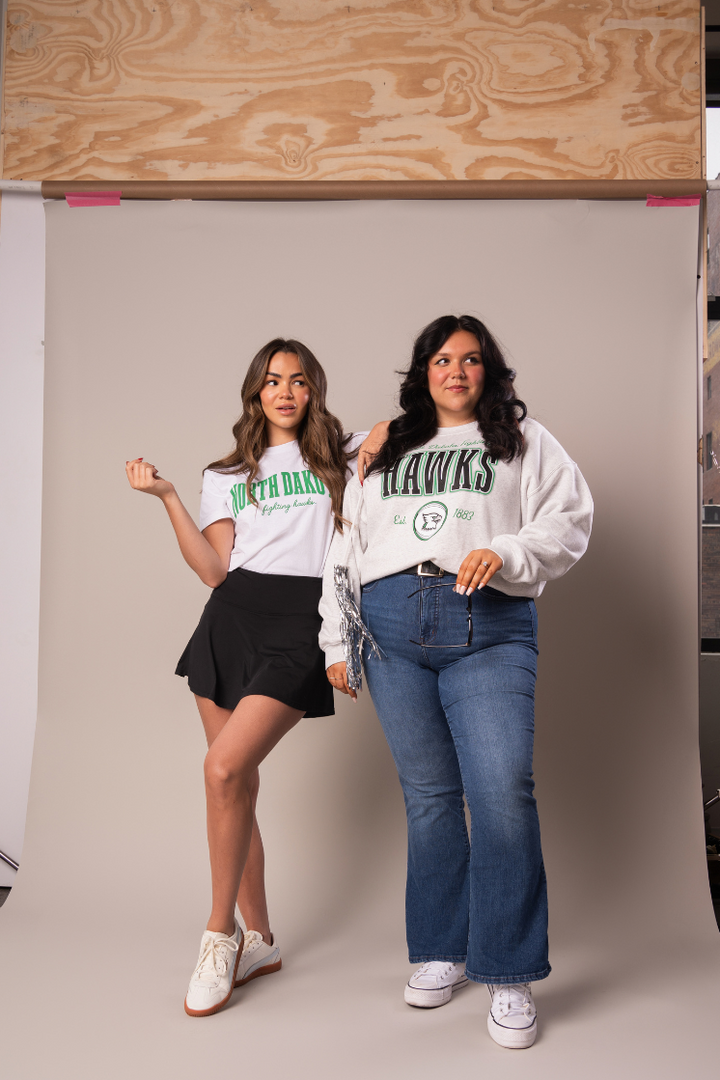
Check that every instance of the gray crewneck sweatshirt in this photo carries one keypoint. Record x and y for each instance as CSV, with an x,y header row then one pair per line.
x,y
450,497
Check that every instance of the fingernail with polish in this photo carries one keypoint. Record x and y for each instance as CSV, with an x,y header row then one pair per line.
x,y
461,590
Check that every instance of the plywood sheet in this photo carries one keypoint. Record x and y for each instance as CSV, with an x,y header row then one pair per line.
x,y
376,89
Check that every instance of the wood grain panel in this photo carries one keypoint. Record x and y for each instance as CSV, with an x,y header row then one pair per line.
x,y
341,190
373,90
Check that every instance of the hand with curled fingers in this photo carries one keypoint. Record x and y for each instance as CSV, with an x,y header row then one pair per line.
x,y
476,570
370,447
144,477
337,677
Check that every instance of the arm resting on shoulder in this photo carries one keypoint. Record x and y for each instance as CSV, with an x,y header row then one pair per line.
x,y
370,447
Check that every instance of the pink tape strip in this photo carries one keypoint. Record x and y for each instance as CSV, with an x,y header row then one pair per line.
x,y
682,200
93,198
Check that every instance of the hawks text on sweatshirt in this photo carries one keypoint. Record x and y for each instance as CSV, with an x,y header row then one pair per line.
x,y
450,497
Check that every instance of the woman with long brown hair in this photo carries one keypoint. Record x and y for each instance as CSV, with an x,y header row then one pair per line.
x,y
267,516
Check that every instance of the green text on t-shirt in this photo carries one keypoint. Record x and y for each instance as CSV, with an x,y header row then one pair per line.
x,y
295,483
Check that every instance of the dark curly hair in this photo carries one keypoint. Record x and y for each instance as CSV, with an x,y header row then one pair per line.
x,y
498,412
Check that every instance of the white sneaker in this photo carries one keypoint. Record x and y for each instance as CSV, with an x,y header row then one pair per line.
x,y
433,984
257,958
512,1020
213,980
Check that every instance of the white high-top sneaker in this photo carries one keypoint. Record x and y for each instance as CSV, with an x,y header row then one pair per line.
x,y
213,980
512,1020
433,984
257,958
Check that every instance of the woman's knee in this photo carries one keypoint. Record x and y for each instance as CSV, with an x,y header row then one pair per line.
x,y
228,779
432,800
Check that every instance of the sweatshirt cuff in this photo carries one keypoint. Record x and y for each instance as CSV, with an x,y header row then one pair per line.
x,y
334,654
503,547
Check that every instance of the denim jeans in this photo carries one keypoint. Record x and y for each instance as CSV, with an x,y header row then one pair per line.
x,y
460,721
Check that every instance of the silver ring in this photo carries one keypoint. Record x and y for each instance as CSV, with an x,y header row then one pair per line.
x,y
486,564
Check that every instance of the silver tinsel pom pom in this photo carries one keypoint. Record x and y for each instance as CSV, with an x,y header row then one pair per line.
x,y
353,632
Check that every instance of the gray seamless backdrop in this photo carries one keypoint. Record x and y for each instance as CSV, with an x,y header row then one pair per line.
x,y
153,313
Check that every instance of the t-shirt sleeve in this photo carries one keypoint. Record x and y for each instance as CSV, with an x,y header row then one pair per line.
x,y
215,501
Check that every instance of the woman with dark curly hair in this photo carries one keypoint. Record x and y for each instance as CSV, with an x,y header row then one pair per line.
x,y
466,490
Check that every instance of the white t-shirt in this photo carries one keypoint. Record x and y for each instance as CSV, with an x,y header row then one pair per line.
x,y
290,530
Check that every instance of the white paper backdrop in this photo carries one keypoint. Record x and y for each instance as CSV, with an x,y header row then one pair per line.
x,y
153,312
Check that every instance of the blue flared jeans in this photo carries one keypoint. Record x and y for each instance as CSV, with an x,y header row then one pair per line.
x,y
459,720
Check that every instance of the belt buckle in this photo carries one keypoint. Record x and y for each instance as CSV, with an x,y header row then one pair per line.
x,y
429,573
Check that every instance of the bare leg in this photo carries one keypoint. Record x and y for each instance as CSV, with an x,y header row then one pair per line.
x,y
231,781
251,897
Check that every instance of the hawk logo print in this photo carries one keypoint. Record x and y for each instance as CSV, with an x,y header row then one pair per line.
x,y
429,519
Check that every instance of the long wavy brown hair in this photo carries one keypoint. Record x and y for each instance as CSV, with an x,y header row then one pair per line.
x,y
321,438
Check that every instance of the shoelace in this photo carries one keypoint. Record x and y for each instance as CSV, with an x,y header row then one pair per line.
x,y
434,967
215,959
507,999
253,938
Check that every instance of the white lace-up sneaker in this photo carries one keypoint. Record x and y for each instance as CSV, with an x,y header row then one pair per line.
x,y
213,980
257,958
512,1020
433,984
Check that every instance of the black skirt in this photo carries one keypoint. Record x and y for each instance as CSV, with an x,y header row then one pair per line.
x,y
258,634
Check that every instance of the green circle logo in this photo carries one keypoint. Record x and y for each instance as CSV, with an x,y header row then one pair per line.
x,y
429,520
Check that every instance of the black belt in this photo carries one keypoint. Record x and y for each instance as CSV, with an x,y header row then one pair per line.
x,y
424,569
